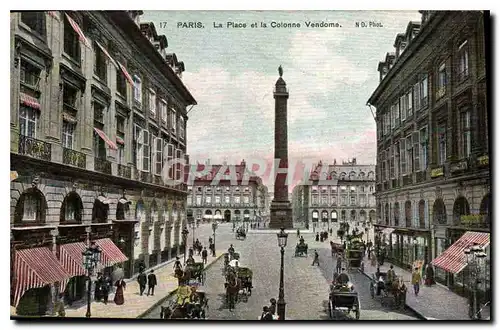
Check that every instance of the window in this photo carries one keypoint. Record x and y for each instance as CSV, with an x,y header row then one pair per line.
x,y
403,103
181,128
98,113
246,199
393,116
71,42
227,189
208,199
379,130
391,162
362,200
158,155
100,63
395,150
396,112
334,200
99,147
343,188
371,188
152,102
344,200
334,189
402,155
424,89
227,199
353,189
441,81
27,121
362,188
409,155
324,200
198,200
173,121
236,199
441,144
416,96
315,199
35,20
424,142
30,75
163,110
387,125
217,199
416,151
137,89
409,103
121,83
463,64
353,200
121,154
70,96
386,164
466,131
68,131
31,205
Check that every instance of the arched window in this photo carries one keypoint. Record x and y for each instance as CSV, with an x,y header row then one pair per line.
x,y
324,216
123,209
361,175
396,214
485,210
439,212
100,210
71,208
315,215
460,207
31,208
334,216
334,175
343,175
371,175
352,175
408,213
353,215
421,213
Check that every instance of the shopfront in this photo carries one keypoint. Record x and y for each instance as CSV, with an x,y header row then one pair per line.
x,y
407,246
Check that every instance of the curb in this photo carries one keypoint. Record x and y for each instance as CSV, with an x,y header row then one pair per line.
x,y
419,315
171,293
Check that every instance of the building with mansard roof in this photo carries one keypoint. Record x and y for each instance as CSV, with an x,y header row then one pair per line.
x,y
433,178
94,104
228,193
346,194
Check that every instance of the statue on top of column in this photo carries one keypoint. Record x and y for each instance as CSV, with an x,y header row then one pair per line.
x,y
280,71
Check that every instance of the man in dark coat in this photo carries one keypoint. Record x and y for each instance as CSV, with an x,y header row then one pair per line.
x,y
204,255
142,266
266,315
142,280
152,283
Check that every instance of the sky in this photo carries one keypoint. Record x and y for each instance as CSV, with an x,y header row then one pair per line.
x,y
330,74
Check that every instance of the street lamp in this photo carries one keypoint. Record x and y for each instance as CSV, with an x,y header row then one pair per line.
x,y
184,233
477,253
282,237
214,228
91,257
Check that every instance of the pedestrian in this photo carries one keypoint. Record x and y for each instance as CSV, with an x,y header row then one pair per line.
x,y
152,282
142,266
298,233
120,287
272,307
266,316
415,280
142,280
429,275
374,260
339,263
204,255
105,288
316,258
391,275
59,306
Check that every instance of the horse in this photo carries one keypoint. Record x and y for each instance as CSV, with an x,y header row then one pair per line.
x,y
398,290
232,287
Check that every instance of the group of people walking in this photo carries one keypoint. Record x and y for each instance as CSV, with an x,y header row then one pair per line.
x,y
269,312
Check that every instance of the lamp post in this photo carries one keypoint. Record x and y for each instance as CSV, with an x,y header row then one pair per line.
x,y
282,237
476,253
184,233
214,228
91,257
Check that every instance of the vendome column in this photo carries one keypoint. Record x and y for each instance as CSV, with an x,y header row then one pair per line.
x,y
281,209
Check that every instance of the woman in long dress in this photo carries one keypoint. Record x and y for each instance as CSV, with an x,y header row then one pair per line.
x,y
120,286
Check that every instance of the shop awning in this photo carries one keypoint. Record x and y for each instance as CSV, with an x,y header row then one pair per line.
x,y
110,254
35,268
106,139
388,231
454,260
78,31
71,258
30,101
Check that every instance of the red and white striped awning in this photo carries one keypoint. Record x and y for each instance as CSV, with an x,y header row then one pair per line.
x,y
54,14
35,268
111,254
454,260
78,31
126,74
106,139
107,54
71,258
119,140
30,101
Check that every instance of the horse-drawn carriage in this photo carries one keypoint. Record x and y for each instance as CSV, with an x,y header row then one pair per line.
x,y
190,303
301,248
380,286
343,298
241,233
354,252
343,229
336,248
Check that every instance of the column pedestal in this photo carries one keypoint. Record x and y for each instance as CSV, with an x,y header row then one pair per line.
x,y
281,215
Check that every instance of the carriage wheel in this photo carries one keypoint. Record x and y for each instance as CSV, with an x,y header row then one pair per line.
x,y
372,290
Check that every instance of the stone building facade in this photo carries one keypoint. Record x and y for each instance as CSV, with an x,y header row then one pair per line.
x,y
227,201
97,107
347,194
433,177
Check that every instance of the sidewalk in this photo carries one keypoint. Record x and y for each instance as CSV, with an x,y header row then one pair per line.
x,y
432,303
136,305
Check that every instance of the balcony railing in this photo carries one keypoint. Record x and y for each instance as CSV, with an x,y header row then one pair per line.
x,y
145,176
74,158
34,148
102,165
124,171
